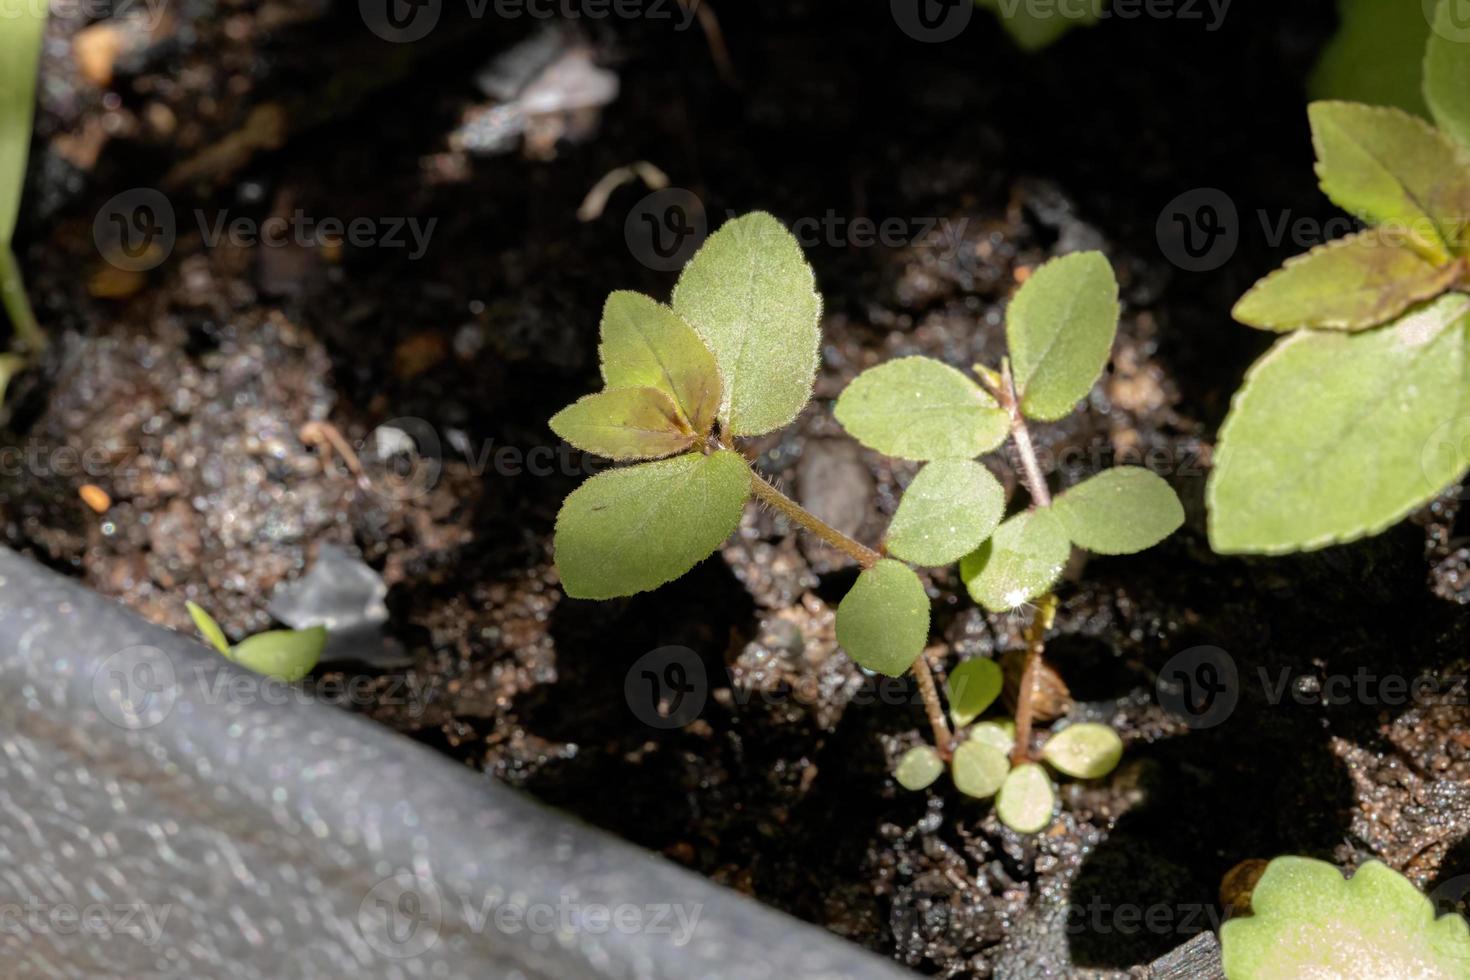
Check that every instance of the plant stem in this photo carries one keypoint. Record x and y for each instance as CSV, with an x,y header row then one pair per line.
x,y
1046,613
943,737
28,336
1031,473
860,553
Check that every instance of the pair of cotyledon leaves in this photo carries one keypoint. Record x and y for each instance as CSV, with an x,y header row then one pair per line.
x,y
288,655
1362,413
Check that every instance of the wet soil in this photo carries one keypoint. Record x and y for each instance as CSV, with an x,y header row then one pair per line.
x,y
182,392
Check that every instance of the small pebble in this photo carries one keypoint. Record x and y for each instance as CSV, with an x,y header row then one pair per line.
x,y
95,497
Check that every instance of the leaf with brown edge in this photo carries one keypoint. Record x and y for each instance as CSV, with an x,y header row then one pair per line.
x,y
624,423
647,345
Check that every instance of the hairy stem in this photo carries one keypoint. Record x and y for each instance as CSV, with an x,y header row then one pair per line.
x,y
1031,473
860,553
1046,613
943,737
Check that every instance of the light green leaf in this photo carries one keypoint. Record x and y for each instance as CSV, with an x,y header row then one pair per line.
x,y
624,423
972,687
1021,561
999,735
921,409
1352,283
1395,171
286,654
207,626
633,529
1027,800
646,345
752,297
1375,56
979,769
1447,69
918,768
1034,26
1060,328
1119,511
1307,921
1086,751
951,506
21,31
1336,436
883,622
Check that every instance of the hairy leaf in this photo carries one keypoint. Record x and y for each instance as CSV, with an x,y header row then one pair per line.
x,y
1027,800
918,768
646,344
1394,171
972,687
919,408
1120,511
1336,436
752,297
1086,751
1352,283
1307,921
979,769
883,622
1375,56
21,30
1021,561
951,506
1447,69
287,654
207,626
624,423
1060,329
633,529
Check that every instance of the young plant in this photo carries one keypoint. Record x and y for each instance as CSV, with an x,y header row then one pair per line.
x,y
735,355
1307,921
1036,26
287,655
21,33
1361,413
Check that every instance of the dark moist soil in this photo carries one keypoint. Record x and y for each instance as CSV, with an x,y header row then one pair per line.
x,y
189,387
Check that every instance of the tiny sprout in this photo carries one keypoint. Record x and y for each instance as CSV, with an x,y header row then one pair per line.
x,y
918,768
979,768
973,687
1027,799
1085,751
288,655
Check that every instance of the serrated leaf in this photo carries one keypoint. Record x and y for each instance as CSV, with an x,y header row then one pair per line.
x,y
1336,436
999,735
1394,171
1119,511
1060,328
951,506
1308,921
1021,561
21,33
286,654
883,622
918,768
1375,56
647,345
972,687
978,769
921,409
631,530
752,297
1086,750
208,627
624,423
1027,800
1447,69
1352,283
1035,26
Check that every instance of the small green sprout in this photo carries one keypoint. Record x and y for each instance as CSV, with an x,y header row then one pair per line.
x,y
21,33
1027,800
1308,921
1035,26
735,355
287,655
1361,413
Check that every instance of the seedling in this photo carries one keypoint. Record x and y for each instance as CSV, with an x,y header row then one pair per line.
x,y
1307,921
287,655
1035,26
21,33
735,355
1361,413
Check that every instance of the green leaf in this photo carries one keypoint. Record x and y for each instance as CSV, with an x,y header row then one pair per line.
x,y
1086,751
1375,56
951,506
1395,171
286,654
1021,561
1336,436
1027,800
883,622
624,423
647,345
752,297
633,529
1352,283
1035,26
1307,921
207,626
979,769
921,409
972,687
21,32
918,768
1447,69
1120,511
999,735
1060,329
